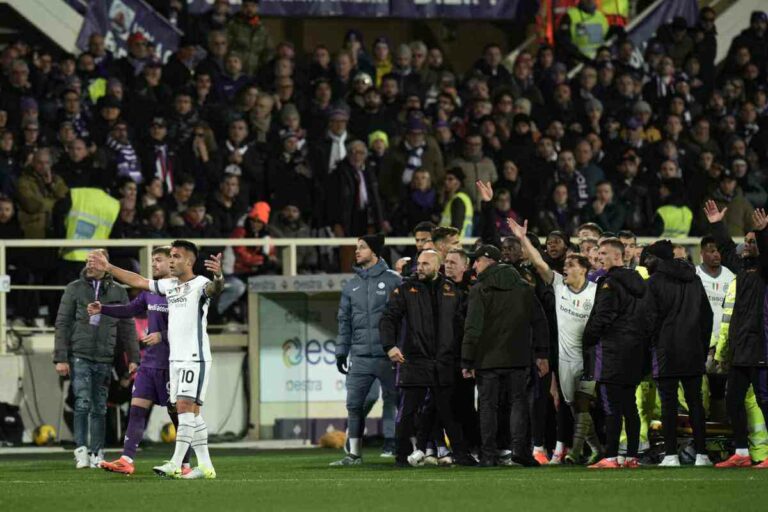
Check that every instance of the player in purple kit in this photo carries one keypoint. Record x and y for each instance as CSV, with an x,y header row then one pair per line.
x,y
151,384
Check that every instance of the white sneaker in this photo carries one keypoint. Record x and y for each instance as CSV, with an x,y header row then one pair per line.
x,y
416,459
702,459
445,460
670,461
200,473
168,470
430,460
82,460
96,459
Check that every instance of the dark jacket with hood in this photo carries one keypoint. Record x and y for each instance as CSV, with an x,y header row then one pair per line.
x,y
681,318
748,335
617,328
426,318
76,337
505,325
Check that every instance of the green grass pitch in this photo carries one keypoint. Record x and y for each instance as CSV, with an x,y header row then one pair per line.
x,y
302,480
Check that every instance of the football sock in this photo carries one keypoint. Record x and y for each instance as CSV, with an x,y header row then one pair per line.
x,y
354,446
743,452
137,422
443,451
200,443
538,449
559,448
184,435
175,421
583,429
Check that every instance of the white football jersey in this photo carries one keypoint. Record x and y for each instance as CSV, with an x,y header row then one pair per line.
x,y
716,288
573,309
187,317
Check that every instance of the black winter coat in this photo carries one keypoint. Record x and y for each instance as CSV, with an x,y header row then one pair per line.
x,y
617,329
748,343
681,319
505,325
426,317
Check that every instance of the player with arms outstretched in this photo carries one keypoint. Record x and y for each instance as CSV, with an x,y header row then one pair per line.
x,y
190,350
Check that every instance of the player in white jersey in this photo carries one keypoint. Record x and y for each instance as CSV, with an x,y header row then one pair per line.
x,y
716,278
190,358
574,299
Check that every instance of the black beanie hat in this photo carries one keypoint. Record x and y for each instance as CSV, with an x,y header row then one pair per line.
x,y
662,250
374,242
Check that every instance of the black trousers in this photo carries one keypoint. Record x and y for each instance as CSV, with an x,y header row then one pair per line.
x,y
669,405
464,412
618,402
412,401
739,380
508,385
539,406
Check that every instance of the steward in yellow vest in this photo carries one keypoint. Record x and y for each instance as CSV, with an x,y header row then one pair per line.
x,y
91,217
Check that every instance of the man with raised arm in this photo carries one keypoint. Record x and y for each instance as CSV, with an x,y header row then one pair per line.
x,y
190,350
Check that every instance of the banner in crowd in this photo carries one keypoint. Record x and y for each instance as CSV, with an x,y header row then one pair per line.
x,y
297,348
118,19
662,12
467,9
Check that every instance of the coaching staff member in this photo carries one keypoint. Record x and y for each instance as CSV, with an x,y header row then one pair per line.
x,y
426,309
618,330
505,330
681,319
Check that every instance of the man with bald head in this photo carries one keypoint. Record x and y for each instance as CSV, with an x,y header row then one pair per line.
x,y
418,332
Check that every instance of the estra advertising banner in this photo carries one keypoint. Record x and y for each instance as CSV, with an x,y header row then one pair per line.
x,y
297,337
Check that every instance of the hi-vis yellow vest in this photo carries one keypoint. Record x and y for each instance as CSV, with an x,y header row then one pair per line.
x,y
677,220
466,227
92,216
588,31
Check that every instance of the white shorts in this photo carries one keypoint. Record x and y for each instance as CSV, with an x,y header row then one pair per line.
x,y
570,375
189,380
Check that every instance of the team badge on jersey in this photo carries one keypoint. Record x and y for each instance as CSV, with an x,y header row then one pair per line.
x,y
381,285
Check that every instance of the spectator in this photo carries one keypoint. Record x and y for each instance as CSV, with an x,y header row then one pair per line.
x,y
119,154
458,211
288,224
558,214
728,194
416,150
243,159
195,222
673,218
255,259
419,205
157,157
604,211
225,206
85,348
38,191
154,222
175,204
475,165
353,205
249,37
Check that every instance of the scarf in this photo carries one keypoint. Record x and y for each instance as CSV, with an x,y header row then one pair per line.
x,y
338,150
413,161
164,166
362,190
126,160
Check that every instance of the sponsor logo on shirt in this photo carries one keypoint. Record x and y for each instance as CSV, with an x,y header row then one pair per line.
x,y
181,301
161,308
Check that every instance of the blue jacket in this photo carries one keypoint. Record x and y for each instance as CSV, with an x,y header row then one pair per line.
x,y
363,300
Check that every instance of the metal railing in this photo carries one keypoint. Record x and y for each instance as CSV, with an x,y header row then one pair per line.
x,y
288,247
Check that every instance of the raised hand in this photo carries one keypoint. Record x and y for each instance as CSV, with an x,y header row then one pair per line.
x,y
712,213
517,230
97,261
94,308
759,219
213,265
485,190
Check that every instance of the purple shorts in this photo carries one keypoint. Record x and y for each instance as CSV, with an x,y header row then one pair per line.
x,y
152,384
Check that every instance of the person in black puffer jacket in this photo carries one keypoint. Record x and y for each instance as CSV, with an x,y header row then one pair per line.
x,y
682,321
617,329
748,346
417,330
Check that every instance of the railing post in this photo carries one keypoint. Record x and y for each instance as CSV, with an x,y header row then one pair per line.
x,y
3,303
145,260
289,260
